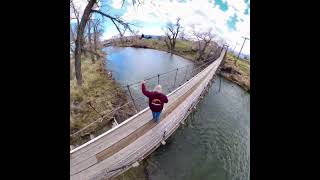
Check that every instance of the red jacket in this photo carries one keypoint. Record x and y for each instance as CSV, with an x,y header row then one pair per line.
x,y
156,100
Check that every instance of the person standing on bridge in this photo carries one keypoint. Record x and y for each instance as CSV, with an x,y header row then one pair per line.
x,y
156,100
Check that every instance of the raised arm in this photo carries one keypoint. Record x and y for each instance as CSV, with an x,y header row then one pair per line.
x,y
144,90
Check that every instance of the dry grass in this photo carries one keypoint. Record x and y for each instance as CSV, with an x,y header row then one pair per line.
x,y
239,73
182,48
102,91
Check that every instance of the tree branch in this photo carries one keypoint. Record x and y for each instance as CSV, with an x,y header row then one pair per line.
x,y
115,19
76,13
117,27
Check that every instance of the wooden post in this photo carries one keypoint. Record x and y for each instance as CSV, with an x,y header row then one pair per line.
x,y
135,164
134,104
114,123
115,120
163,142
91,136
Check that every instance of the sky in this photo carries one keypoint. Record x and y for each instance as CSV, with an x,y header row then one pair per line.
x,y
229,19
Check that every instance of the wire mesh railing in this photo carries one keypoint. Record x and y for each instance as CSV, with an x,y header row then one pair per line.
x,y
136,101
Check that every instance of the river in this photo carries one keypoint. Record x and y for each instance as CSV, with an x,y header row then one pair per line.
x,y
215,141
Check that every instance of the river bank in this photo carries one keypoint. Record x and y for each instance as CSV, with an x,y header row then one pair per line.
x,y
99,91
239,74
183,48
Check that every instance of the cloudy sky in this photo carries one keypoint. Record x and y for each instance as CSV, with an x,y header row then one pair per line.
x,y
229,19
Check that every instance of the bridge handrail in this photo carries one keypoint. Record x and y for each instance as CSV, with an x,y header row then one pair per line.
x,y
131,101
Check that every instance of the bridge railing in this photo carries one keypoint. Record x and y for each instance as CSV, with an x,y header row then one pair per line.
x,y
136,101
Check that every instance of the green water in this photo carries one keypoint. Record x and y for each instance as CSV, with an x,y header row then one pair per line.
x,y
214,143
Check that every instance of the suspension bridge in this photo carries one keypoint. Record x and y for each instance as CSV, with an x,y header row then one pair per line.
x,y
129,142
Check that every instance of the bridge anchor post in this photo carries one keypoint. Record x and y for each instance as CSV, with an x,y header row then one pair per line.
x,y
114,123
91,136
135,164
163,142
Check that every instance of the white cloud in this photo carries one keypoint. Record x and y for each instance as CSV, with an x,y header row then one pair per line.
x,y
151,31
109,33
117,4
238,5
201,13
209,16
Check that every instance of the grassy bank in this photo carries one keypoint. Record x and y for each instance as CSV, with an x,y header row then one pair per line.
x,y
183,48
104,95
239,74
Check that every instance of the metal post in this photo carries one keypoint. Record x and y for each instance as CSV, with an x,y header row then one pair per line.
x,y
225,53
185,74
221,49
234,50
132,99
175,78
89,103
158,78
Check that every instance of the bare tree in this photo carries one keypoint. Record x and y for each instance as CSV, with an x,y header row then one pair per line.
x,y
79,44
182,35
97,33
203,39
76,16
75,11
89,39
171,31
135,35
73,27
72,38
79,40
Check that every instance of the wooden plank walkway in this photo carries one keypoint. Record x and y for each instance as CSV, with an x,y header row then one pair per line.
x,y
116,150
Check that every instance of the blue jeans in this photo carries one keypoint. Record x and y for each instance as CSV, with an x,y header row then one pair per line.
x,y
156,116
